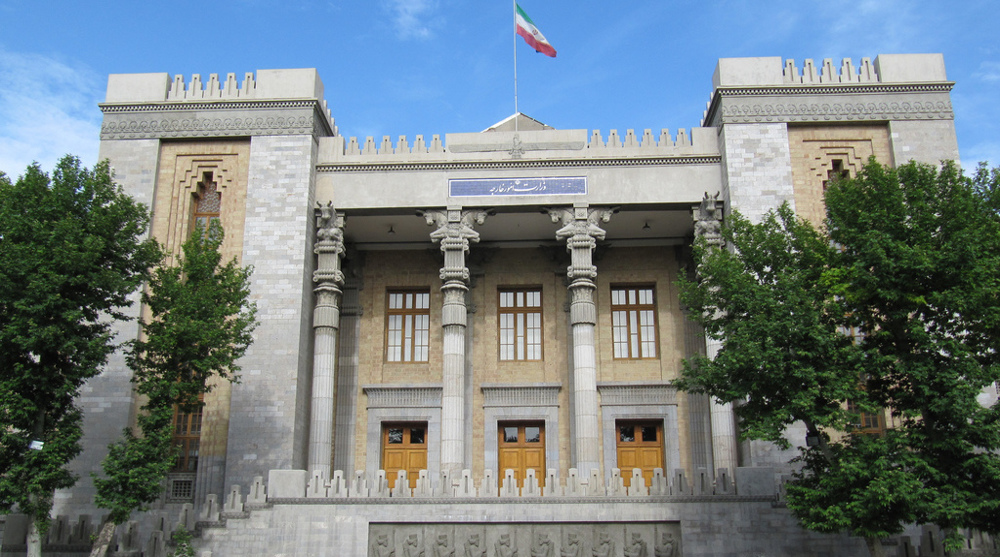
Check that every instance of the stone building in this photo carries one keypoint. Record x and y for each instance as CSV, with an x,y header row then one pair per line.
x,y
468,342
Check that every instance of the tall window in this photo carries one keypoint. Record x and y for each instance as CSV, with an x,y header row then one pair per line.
x,y
407,326
633,322
520,324
207,202
187,438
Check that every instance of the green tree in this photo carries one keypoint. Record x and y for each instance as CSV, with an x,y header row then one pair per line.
x,y
916,273
71,253
920,278
201,322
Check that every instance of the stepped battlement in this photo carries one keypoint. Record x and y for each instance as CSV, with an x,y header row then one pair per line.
x,y
524,144
886,68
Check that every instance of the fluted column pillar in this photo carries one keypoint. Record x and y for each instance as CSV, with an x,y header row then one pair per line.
x,y
581,232
329,279
454,232
707,224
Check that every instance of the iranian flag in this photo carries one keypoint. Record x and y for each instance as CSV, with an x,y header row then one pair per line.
x,y
535,39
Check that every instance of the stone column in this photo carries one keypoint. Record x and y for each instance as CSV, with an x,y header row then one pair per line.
x,y
454,232
708,224
581,232
326,323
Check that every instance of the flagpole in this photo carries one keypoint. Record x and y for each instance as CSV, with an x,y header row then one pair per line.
x,y
515,64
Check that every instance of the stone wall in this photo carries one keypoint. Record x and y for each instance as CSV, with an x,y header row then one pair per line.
x,y
291,514
269,407
107,398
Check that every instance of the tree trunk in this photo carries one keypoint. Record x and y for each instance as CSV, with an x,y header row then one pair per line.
x,y
875,547
103,540
34,540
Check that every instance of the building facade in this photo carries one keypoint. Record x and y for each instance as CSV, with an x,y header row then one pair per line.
x,y
469,342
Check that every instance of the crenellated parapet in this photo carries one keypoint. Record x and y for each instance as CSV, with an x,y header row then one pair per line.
x,y
532,148
893,87
272,102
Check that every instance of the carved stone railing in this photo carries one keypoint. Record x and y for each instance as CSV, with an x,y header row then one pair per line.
x,y
286,485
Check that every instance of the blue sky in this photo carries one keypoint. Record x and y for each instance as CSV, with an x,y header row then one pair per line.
x,y
407,67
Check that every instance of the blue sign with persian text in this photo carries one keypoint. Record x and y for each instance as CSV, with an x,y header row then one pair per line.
x,y
477,187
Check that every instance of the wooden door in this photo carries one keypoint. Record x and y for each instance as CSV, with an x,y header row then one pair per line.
x,y
640,445
404,447
522,446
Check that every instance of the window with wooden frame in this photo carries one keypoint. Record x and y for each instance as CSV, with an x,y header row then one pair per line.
x,y
633,322
407,325
520,323
207,203
187,437
867,423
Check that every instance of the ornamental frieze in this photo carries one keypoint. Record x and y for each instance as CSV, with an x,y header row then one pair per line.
x,y
845,111
155,127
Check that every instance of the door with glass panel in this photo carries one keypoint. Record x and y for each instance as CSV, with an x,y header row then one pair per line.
x,y
521,445
640,445
404,447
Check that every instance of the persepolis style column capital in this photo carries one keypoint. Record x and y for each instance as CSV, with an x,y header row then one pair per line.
x,y
581,231
329,247
454,232
707,217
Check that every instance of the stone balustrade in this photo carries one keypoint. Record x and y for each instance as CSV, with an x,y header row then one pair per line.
x,y
289,485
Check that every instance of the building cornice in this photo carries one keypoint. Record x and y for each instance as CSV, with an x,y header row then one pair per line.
x,y
201,119
846,102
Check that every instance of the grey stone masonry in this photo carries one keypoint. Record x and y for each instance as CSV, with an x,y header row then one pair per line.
x,y
107,398
757,168
269,407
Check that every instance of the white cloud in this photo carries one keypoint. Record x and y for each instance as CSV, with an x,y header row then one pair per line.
x,y
411,18
985,151
988,72
48,108
879,26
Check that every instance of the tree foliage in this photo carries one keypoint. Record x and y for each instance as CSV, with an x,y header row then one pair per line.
x,y
916,274
201,322
71,253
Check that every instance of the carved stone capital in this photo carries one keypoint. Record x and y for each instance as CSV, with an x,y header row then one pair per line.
x,y
580,222
454,231
707,218
329,248
581,231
